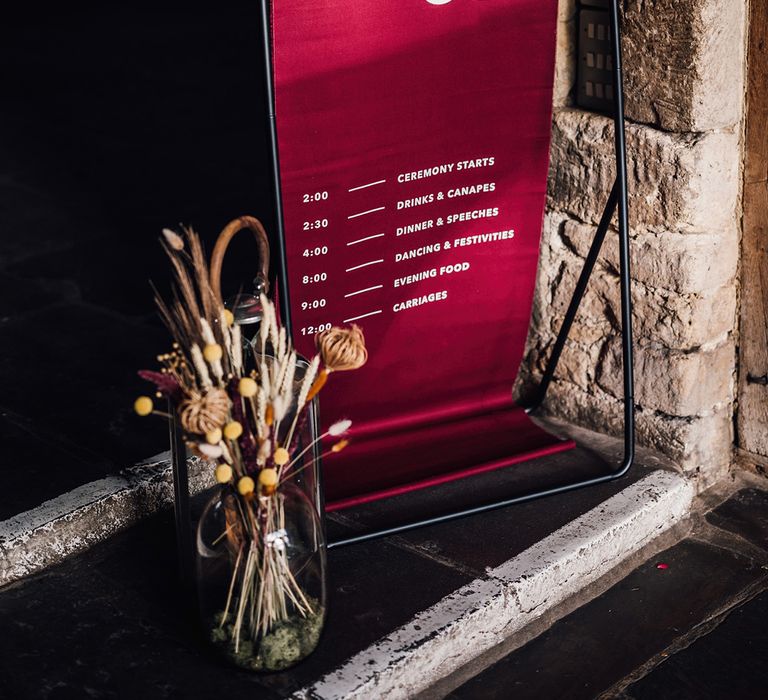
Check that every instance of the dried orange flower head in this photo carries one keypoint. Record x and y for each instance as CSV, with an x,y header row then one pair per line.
x,y
342,348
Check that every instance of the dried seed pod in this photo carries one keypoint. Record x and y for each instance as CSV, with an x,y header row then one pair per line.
x,y
342,348
202,414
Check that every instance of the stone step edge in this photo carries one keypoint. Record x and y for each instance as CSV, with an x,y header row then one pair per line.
x,y
485,612
75,521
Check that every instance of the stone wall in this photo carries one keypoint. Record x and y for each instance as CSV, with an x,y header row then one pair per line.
x,y
684,66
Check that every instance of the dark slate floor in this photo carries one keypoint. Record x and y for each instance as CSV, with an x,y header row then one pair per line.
x,y
115,122
688,623
112,623
691,623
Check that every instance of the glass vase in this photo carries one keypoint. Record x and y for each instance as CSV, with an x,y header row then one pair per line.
x,y
261,576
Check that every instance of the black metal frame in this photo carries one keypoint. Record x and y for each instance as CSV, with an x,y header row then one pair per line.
x,y
616,200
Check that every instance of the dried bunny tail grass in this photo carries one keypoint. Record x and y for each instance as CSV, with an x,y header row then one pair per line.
x,y
264,452
277,383
280,406
265,380
226,453
270,316
286,387
301,399
340,427
200,367
261,413
173,239
218,370
227,335
264,328
237,350
282,346
342,348
309,378
208,336
202,414
210,339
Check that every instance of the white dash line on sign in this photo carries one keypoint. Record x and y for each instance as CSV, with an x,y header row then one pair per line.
x,y
357,267
363,213
367,238
370,184
357,318
361,291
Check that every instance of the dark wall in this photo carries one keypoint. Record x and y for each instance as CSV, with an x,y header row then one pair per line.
x,y
114,123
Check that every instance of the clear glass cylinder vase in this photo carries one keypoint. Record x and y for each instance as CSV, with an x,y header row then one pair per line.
x,y
261,576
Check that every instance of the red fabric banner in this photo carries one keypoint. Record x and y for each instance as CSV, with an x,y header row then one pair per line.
x,y
413,139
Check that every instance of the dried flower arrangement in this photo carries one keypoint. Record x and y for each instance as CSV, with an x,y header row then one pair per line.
x,y
242,406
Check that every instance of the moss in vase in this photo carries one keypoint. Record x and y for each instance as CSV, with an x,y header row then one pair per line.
x,y
283,646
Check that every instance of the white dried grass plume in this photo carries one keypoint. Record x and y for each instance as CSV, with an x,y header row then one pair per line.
x,y
268,322
340,427
225,453
280,406
264,452
266,382
309,378
261,413
225,333
209,451
286,388
265,322
273,330
210,339
280,378
173,239
237,349
208,336
282,345
200,367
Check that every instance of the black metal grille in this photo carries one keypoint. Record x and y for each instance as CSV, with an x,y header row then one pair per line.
x,y
594,89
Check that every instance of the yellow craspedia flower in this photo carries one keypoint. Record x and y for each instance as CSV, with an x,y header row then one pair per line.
x,y
223,473
247,387
281,456
213,437
213,352
143,405
245,486
233,430
229,317
268,478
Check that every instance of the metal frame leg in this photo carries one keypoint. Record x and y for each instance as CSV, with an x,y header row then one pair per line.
x,y
269,81
181,509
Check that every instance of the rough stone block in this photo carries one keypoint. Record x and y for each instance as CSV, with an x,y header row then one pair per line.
x,y
687,183
684,63
679,321
565,60
701,445
685,264
678,384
